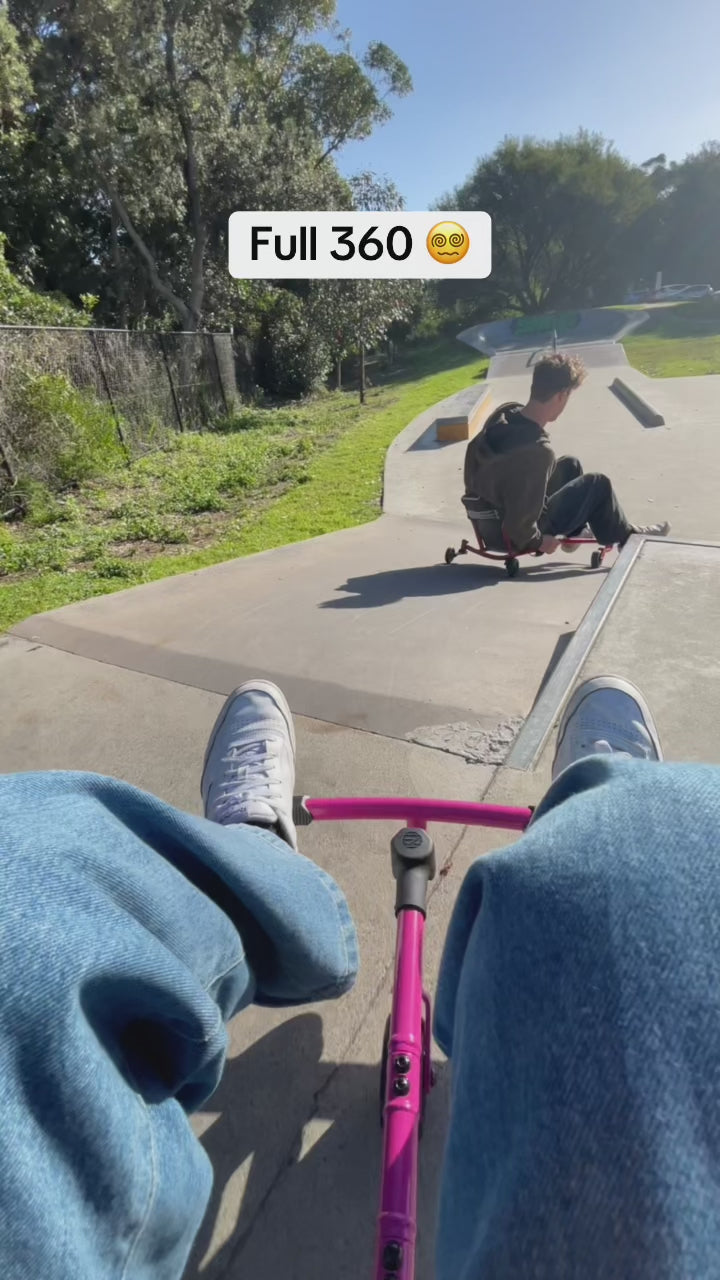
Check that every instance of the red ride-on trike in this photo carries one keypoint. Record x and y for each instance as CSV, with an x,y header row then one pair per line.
x,y
493,545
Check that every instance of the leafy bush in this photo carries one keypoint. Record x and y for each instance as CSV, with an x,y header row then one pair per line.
x,y
45,551
21,305
292,357
59,435
148,527
115,567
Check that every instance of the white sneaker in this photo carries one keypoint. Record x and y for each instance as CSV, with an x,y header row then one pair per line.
x,y
653,530
249,770
606,714
571,547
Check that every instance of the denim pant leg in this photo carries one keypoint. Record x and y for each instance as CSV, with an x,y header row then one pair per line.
x,y
588,499
579,1000
129,934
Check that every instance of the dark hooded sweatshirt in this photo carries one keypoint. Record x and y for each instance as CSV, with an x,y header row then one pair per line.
x,y
508,465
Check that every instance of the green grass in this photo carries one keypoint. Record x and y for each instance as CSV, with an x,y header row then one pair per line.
x,y
278,476
678,341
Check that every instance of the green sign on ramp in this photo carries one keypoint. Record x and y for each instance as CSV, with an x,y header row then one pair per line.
x,y
563,322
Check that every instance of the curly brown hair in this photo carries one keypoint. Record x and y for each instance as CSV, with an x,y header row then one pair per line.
x,y
556,373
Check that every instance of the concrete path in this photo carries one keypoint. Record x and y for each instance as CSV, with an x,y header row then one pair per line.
x,y
382,649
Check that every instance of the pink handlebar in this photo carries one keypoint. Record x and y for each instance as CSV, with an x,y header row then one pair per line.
x,y
413,812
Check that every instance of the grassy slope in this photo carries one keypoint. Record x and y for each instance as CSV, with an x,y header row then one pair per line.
x,y
292,474
678,341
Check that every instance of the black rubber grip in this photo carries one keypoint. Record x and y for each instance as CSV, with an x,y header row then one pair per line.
x,y
302,816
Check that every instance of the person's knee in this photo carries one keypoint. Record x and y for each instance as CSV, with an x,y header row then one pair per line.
x,y
601,483
571,464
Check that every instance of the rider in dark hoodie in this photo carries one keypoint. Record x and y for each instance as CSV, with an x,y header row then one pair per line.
x,y
541,499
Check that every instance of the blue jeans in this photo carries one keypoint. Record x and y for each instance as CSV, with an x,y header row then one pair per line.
x,y
578,999
130,934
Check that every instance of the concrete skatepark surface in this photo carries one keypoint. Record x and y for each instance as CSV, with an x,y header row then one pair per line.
x,y
381,649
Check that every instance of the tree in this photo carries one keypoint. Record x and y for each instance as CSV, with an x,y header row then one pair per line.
x,y
687,246
356,315
15,82
562,213
174,112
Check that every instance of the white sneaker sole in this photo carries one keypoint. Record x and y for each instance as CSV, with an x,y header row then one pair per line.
x,y
265,686
607,682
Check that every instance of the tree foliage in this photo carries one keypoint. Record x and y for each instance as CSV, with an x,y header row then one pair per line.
x,y
130,129
353,314
686,243
24,306
167,114
562,212
15,82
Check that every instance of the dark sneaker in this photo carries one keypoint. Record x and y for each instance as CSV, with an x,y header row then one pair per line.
x,y
249,770
606,714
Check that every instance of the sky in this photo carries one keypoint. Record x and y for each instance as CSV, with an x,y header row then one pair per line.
x,y
644,73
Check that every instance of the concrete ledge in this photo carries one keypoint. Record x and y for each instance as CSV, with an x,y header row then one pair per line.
x,y
637,404
471,409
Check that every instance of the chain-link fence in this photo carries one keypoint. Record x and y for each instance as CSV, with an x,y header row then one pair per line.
x,y
146,385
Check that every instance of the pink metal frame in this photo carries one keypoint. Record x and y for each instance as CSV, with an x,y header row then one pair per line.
x,y
410,1022
482,550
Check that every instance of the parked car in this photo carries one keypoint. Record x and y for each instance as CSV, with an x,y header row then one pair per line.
x,y
696,291
681,292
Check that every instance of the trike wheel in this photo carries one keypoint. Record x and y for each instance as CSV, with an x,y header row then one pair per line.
x,y
449,555
512,567
596,559
383,1071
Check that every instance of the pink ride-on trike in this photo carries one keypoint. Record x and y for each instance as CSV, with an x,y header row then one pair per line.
x,y
406,1075
493,545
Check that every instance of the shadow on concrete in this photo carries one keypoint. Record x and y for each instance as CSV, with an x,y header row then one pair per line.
x,y
428,441
329,1199
371,591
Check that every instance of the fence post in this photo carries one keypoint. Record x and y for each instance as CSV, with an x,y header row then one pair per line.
x,y
178,415
7,467
108,392
218,370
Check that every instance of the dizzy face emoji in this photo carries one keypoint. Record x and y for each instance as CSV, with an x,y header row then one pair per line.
x,y
448,242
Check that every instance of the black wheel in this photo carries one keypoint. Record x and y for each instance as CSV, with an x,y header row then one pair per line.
x,y
449,555
383,1070
596,560
512,567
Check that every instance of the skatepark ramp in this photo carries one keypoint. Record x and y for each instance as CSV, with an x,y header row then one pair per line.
x,y
570,328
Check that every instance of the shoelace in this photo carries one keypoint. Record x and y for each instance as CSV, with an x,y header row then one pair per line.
x,y
251,771
600,746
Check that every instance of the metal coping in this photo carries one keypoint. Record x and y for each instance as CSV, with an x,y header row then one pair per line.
x,y
537,728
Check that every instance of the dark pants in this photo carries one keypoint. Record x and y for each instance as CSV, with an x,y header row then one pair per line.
x,y
575,500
